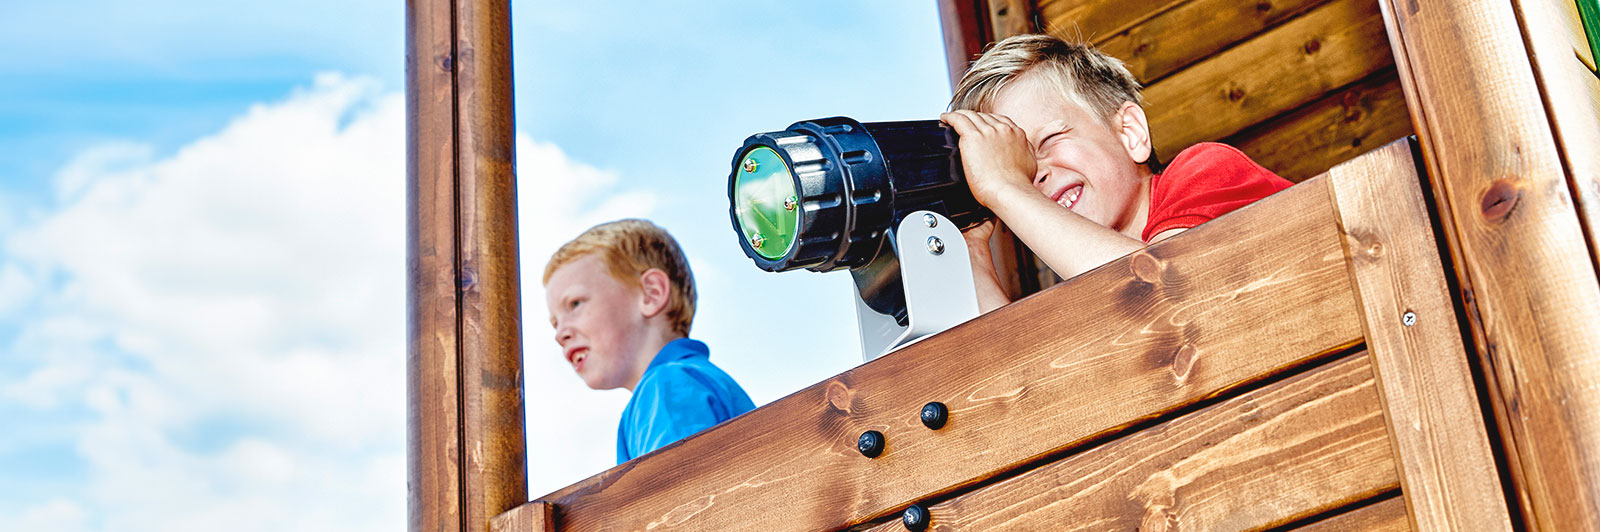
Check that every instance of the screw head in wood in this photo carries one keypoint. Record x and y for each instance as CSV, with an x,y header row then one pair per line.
x,y
915,518
934,415
1409,318
870,444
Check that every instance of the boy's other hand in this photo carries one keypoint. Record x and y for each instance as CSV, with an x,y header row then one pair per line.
x,y
995,153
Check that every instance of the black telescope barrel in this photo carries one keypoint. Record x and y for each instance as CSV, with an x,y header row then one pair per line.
x,y
855,181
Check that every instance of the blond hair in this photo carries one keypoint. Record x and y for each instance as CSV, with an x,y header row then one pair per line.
x,y
629,248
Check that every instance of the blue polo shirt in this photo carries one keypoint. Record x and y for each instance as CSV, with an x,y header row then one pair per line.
x,y
681,393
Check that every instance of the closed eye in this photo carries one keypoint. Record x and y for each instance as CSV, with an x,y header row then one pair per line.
x,y
1052,137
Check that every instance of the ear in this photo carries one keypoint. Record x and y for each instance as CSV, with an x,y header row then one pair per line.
x,y
1133,129
655,289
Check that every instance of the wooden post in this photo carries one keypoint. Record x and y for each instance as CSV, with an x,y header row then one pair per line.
x,y
1527,276
465,439
1413,335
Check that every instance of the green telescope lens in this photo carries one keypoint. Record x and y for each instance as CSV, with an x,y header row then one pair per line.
x,y
766,204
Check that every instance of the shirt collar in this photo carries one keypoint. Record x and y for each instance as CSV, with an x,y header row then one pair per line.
x,y
679,349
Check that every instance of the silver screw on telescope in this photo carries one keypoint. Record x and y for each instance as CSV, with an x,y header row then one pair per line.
x,y
757,240
750,164
790,203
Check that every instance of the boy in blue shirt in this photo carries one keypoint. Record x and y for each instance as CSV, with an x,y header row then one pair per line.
x,y
621,299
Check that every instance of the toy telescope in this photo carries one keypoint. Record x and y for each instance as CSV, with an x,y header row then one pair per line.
x,y
886,200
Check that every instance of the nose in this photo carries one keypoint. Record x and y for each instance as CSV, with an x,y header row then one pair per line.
x,y
1040,176
563,334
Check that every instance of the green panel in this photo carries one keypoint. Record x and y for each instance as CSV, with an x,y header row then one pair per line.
x,y
765,202
1590,11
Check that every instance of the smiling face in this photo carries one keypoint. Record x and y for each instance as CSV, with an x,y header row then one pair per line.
x,y
1084,166
600,322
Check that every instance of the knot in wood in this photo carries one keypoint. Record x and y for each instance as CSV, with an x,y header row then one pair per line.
x,y
1236,94
1313,46
1375,250
1263,6
1183,363
445,62
1499,200
1146,267
840,396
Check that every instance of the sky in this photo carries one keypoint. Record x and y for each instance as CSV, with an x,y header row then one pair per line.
x,y
202,227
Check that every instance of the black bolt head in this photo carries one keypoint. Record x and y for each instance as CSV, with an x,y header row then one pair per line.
x,y
915,518
870,444
934,415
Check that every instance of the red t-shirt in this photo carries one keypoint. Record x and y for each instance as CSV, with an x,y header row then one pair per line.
x,y
1205,181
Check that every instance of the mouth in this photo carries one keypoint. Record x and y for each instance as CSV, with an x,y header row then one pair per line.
x,y
1068,197
576,356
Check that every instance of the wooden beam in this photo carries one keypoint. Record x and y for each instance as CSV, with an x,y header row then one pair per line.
x,y
1193,31
1388,515
1292,450
535,516
466,444
965,25
1290,65
1308,141
1096,20
1527,274
1010,17
1249,295
1447,470
1554,34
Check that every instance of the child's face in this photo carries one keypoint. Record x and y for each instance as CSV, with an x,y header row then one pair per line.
x,y
1083,165
599,323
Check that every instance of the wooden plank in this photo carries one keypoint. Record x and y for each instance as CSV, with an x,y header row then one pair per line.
x,y
1551,29
1447,469
1096,20
1286,452
465,452
965,26
534,516
1010,17
1194,31
1308,141
1329,47
1529,282
1388,515
1233,301
433,450
494,465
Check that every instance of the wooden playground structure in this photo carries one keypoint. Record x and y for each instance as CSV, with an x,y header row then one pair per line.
x,y
1408,339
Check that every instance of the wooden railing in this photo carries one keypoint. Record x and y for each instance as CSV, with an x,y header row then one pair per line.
x,y
1215,380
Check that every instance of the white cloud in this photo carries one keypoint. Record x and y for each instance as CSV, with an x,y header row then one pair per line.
x,y
231,316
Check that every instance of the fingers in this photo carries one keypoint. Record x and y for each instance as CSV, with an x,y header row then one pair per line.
x,y
967,121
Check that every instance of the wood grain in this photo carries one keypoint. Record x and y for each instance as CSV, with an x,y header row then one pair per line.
x,y
464,377
1308,141
1241,298
1097,20
1009,17
1521,259
495,464
535,516
1551,30
1413,335
1286,452
1388,515
1193,31
433,450
1290,65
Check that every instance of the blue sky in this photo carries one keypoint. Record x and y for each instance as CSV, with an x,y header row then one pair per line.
x,y
202,228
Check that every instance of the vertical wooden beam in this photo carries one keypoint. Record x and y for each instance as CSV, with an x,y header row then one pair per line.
x,y
965,25
1527,276
465,439
1447,470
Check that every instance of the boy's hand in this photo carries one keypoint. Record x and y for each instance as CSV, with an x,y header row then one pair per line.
x,y
995,153
990,295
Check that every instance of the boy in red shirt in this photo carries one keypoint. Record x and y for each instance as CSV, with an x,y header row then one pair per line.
x,y
1053,140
